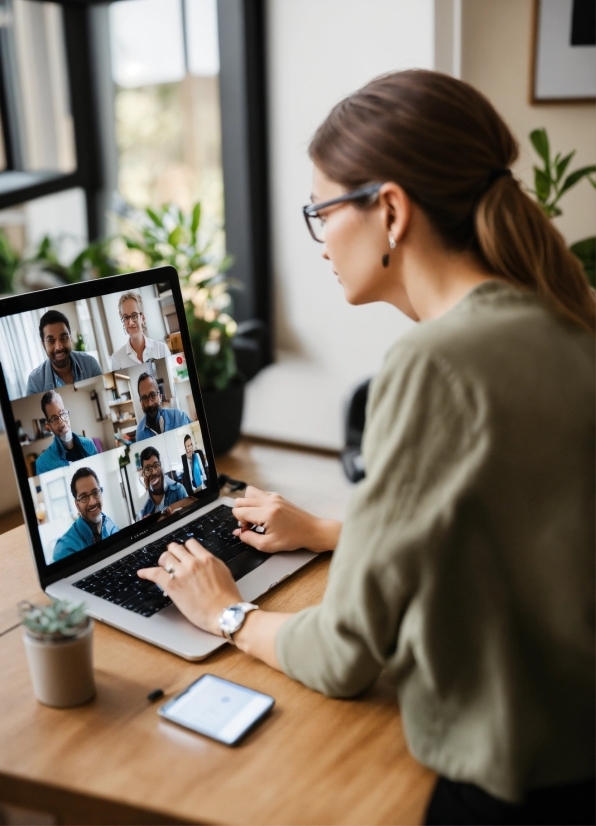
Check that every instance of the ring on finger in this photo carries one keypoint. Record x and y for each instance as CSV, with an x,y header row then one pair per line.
x,y
170,570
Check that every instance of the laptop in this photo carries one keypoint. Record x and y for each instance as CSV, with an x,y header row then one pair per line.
x,y
111,451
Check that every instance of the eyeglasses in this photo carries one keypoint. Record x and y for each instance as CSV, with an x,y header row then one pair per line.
x,y
63,339
134,317
84,498
148,470
316,222
63,416
150,397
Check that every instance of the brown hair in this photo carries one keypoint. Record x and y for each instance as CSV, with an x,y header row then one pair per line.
x,y
444,143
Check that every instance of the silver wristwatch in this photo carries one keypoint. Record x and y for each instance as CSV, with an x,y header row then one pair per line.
x,y
232,618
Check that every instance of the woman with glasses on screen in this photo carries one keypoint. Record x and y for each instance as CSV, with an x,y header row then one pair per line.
x,y
139,348
465,567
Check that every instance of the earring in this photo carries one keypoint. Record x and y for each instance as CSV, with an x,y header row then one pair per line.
x,y
392,246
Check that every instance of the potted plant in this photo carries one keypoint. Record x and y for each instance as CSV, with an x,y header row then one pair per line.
x,y
551,183
167,236
10,261
59,645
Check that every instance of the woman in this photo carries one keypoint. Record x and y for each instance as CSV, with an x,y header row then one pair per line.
x,y
139,348
466,563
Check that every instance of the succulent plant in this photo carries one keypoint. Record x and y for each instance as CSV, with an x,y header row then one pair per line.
x,y
61,620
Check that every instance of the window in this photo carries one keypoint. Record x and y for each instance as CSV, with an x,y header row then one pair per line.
x,y
41,87
165,66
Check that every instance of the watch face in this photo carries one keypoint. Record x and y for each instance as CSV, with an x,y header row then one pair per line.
x,y
232,618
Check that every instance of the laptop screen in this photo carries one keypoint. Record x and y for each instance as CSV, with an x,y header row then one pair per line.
x,y
104,414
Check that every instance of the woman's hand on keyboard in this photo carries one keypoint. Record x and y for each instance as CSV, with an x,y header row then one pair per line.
x,y
281,525
198,583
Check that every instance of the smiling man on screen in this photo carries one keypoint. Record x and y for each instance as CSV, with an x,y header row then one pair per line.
x,y
92,525
63,365
67,446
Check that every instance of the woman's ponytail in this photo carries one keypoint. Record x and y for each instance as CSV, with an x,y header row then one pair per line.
x,y
445,144
519,243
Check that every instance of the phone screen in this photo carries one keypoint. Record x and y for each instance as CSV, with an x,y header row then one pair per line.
x,y
217,708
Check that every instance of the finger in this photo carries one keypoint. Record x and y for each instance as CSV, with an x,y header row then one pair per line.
x,y
196,549
248,503
176,550
255,540
168,559
255,516
157,575
252,492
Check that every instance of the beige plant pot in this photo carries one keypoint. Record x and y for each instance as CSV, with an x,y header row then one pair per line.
x,y
62,671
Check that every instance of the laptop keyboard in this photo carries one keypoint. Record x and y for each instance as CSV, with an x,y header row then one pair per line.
x,y
119,583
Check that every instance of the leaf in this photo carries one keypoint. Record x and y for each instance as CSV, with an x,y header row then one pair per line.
x,y
154,217
176,236
575,177
561,166
196,219
542,183
585,250
539,140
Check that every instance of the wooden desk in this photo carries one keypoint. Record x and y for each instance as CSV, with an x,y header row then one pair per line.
x,y
314,760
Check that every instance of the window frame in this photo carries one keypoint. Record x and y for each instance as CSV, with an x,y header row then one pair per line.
x,y
82,27
245,162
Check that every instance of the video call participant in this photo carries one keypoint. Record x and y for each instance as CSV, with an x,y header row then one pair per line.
x,y
67,446
92,525
138,349
193,465
63,365
163,491
157,419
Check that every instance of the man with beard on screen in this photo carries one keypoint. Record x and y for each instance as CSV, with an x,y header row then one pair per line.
x,y
63,365
163,491
157,419
67,446
93,524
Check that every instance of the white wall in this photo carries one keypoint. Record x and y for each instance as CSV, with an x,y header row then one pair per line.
x,y
496,50
318,52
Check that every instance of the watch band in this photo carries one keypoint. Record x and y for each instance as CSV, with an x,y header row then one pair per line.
x,y
246,608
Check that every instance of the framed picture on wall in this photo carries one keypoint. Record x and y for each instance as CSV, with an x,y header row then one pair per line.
x,y
564,51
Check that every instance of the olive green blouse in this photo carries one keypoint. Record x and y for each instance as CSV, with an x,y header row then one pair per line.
x,y
465,567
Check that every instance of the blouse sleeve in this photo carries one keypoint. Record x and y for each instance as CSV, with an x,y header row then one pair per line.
x,y
420,445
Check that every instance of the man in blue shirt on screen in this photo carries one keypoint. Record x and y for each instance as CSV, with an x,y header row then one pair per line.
x,y
157,419
163,491
63,365
92,525
66,446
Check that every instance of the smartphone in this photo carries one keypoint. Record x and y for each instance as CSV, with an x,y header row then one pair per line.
x,y
217,708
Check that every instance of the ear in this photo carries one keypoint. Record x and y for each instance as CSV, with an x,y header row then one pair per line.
x,y
396,209
47,426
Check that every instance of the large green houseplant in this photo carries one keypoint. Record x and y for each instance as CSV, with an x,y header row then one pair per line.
x,y
167,236
551,183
